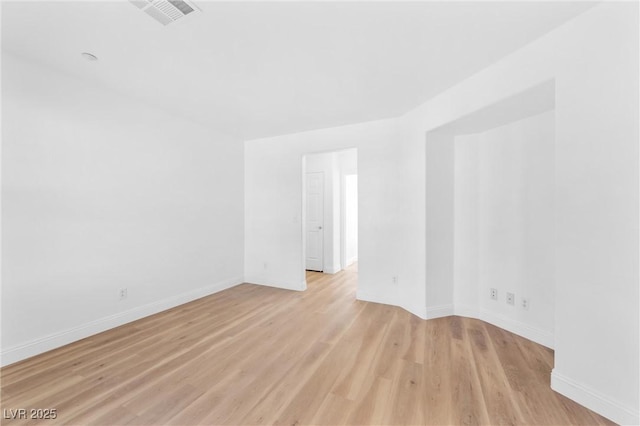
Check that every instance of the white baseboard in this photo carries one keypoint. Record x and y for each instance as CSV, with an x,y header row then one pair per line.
x,y
466,311
527,331
416,309
591,399
352,260
594,400
299,286
70,335
543,337
332,269
439,311
376,298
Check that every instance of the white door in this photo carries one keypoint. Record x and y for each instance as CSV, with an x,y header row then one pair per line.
x,y
315,221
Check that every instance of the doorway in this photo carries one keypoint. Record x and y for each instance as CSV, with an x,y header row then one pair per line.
x,y
330,211
314,260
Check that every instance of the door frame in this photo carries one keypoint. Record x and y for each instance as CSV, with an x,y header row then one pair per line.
x,y
303,206
343,215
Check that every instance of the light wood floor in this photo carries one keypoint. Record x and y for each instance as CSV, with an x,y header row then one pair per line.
x,y
258,355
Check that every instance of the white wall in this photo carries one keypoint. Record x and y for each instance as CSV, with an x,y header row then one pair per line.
x,y
100,192
70,243
439,197
336,204
351,219
504,225
466,293
593,61
273,206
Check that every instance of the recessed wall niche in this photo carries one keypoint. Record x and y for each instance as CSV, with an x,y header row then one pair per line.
x,y
490,198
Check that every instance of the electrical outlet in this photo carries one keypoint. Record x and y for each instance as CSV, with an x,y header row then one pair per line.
x,y
394,280
122,294
511,298
525,303
493,293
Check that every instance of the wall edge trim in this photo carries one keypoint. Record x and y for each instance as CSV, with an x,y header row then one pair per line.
x,y
594,400
440,311
296,286
527,331
55,340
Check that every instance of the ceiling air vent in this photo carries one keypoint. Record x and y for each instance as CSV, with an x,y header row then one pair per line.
x,y
166,11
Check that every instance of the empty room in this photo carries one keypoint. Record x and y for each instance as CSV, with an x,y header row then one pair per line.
x,y
320,213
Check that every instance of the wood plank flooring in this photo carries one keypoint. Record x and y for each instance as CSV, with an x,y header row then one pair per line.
x,y
258,355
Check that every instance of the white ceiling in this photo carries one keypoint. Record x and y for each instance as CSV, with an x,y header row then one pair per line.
x,y
256,69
